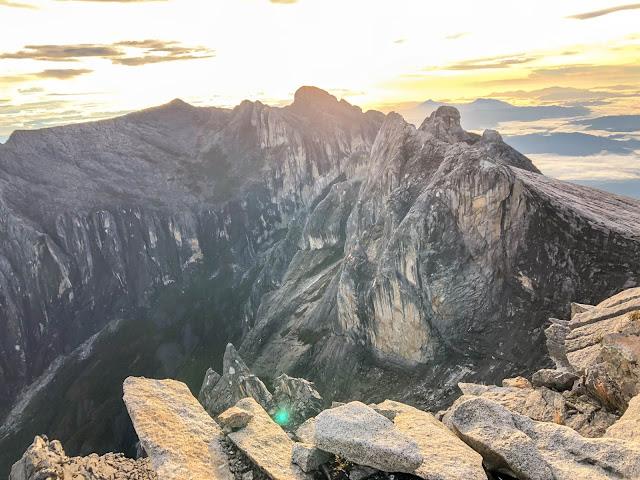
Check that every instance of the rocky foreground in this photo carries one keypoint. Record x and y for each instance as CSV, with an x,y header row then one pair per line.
x,y
578,421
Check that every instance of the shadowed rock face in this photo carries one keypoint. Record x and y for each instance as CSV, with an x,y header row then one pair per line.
x,y
349,248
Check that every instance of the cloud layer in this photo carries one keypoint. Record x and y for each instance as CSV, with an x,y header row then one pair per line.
x,y
131,53
605,11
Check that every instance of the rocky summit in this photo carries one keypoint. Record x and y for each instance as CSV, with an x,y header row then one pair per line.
x,y
372,258
543,430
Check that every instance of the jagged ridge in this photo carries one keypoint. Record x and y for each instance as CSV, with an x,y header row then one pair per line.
x,y
347,247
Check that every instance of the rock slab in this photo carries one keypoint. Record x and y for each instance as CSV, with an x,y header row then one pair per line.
x,y
528,450
181,440
265,443
444,456
359,434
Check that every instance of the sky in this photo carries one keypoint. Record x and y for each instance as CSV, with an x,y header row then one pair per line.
x,y
65,61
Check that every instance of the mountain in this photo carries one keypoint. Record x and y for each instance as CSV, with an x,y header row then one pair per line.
x,y
612,123
351,248
483,113
572,143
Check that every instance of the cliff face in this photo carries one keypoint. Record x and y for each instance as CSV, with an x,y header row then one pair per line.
x,y
346,247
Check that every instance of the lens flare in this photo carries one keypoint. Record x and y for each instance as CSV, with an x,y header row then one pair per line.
x,y
281,417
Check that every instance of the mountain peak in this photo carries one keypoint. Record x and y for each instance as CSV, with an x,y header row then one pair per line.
x,y
178,103
313,96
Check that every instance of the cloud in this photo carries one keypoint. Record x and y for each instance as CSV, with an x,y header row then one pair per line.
x,y
571,144
131,53
612,123
8,3
30,91
113,1
62,73
56,74
571,94
456,36
485,113
502,61
577,75
605,11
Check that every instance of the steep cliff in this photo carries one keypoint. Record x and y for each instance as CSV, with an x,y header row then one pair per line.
x,y
353,249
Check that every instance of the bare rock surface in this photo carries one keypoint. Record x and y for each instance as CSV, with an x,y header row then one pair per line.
x,y
265,443
444,456
296,396
359,434
308,457
46,460
306,432
539,404
628,427
234,418
237,382
211,378
603,344
572,408
554,379
181,440
525,449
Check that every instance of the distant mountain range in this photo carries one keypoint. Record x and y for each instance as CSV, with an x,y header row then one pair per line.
x,y
489,113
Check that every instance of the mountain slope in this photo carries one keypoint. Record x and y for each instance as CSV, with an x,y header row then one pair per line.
x,y
373,257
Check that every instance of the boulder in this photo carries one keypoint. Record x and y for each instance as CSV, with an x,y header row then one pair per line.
x,y
308,457
628,427
234,418
529,450
573,409
517,382
306,433
237,382
181,440
46,459
360,435
557,380
265,443
444,456
298,397
539,404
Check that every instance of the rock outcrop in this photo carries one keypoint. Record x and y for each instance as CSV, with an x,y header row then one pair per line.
x,y
178,436
46,460
444,457
603,344
218,393
338,245
529,450
581,412
265,443
298,397
359,434
628,426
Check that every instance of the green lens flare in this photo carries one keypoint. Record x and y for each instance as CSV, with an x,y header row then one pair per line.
x,y
281,417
